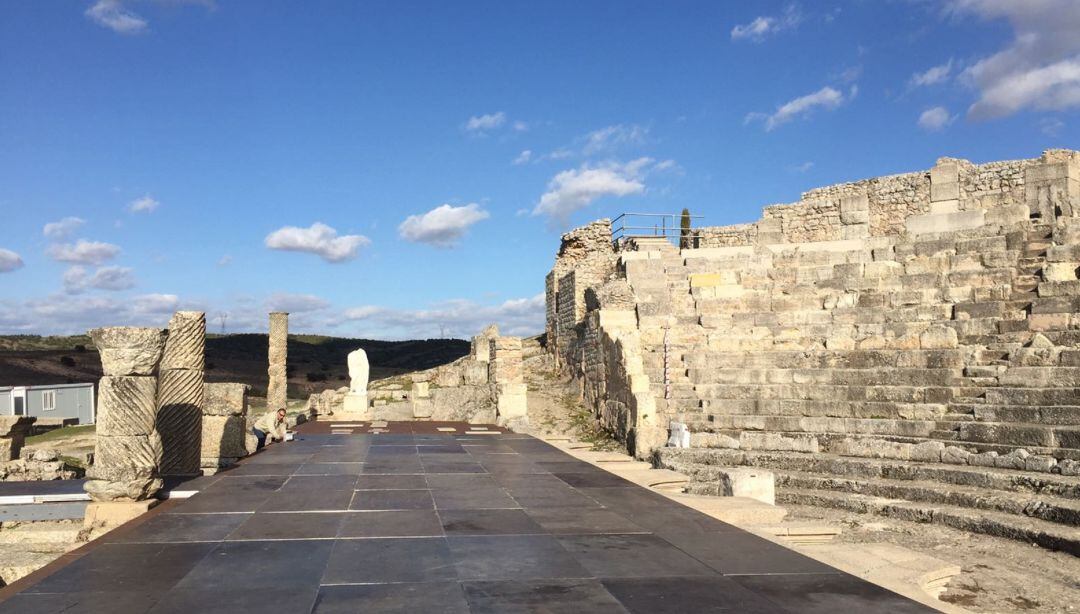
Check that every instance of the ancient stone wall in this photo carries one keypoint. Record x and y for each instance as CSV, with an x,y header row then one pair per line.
x,y
586,257
928,314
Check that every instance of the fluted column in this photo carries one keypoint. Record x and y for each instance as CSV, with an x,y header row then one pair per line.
x,y
127,451
180,394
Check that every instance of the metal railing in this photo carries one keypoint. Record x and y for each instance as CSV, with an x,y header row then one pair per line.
x,y
643,225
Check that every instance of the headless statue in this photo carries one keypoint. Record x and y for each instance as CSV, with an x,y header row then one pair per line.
x,y
358,372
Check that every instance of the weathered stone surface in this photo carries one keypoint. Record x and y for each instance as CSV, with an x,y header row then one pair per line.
x,y
225,399
13,431
223,440
185,347
127,350
179,420
277,389
127,405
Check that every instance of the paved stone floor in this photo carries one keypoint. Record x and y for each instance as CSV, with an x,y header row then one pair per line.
x,y
435,522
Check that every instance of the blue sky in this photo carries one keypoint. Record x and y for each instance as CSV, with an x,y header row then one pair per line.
x,y
404,169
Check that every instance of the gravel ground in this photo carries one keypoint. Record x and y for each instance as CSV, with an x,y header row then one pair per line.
x,y
999,575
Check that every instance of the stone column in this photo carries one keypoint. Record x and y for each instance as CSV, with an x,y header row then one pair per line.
x,y
224,425
127,452
276,391
180,394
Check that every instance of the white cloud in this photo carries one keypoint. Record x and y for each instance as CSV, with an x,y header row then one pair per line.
x,y
63,228
932,76
826,98
1051,126
156,304
764,26
319,239
9,261
520,126
112,14
145,204
802,168
296,303
443,226
611,137
935,118
458,318
1039,70
484,123
83,252
575,189
225,260
77,279
523,157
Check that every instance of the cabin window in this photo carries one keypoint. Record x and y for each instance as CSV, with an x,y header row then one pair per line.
x,y
48,400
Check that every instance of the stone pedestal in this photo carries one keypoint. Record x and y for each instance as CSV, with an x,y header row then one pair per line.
x,y
224,427
355,407
128,449
748,482
277,390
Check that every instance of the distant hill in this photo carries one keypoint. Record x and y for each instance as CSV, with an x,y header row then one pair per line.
x,y
315,362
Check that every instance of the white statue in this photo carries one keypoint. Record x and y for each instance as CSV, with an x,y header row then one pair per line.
x,y
358,372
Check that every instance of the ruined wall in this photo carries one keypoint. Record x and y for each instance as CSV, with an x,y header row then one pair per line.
x,y
929,315
586,257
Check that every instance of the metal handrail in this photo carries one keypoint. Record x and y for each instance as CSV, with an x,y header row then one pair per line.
x,y
663,229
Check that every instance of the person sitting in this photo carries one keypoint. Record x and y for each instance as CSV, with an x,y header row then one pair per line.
x,y
272,424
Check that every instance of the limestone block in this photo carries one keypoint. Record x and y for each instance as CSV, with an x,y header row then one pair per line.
x,y
944,222
225,399
357,403
1060,271
474,404
448,376
480,348
103,516
944,191
750,482
179,420
223,437
420,390
127,405
954,455
511,402
473,374
854,217
185,346
423,408
938,338
679,436
945,206
13,430
127,350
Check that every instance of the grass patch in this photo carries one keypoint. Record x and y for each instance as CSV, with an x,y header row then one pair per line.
x,y
585,427
61,434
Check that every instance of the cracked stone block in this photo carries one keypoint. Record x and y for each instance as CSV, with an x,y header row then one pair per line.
x,y
128,350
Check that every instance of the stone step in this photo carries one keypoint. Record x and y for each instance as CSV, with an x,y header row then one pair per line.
x,y
1058,415
1030,530
1043,507
988,478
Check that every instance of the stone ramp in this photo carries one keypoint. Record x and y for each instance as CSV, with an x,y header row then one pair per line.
x,y
423,522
